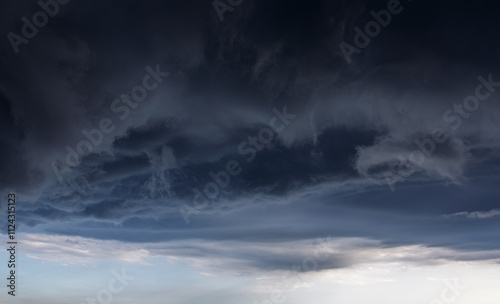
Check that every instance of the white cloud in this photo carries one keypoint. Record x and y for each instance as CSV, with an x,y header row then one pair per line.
x,y
475,214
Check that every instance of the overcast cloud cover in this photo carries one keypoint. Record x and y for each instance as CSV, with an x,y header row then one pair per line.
x,y
387,158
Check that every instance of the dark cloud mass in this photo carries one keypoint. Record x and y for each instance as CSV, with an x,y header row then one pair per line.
x,y
358,156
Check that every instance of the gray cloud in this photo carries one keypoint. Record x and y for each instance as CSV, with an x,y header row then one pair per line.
x,y
325,173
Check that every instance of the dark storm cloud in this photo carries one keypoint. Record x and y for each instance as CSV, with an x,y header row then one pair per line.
x,y
353,122
220,68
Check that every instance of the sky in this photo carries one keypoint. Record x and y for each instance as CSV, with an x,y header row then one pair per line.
x,y
239,151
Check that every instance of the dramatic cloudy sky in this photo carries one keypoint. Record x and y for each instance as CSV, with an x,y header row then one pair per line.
x,y
278,157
